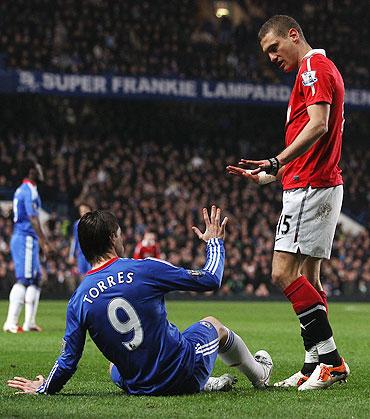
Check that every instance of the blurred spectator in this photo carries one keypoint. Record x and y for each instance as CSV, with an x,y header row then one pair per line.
x,y
75,252
174,38
155,166
147,247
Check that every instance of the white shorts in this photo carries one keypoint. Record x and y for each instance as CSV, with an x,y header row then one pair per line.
x,y
308,220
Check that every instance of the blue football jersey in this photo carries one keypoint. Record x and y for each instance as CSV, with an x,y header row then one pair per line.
x,y
26,204
121,305
75,251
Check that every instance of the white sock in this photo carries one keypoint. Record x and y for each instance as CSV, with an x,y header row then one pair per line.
x,y
35,306
31,298
326,346
235,353
16,301
312,356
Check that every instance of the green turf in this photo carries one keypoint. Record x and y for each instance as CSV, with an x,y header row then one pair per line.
x,y
272,326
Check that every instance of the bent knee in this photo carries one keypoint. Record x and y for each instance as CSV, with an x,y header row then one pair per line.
x,y
211,319
283,278
277,276
222,330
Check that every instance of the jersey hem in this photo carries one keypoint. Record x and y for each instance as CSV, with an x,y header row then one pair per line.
x,y
312,185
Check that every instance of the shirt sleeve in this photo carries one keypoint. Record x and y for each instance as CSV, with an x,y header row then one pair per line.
x,y
73,248
167,277
318,83
157,251
66,364
137,251
29,204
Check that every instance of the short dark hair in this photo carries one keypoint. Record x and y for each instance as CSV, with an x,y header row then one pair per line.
x,y
280,25
26,166
84,204
95,231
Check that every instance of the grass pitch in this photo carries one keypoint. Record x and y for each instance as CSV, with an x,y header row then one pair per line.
x,y
270,326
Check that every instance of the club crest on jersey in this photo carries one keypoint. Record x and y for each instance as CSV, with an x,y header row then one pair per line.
x,y
309,78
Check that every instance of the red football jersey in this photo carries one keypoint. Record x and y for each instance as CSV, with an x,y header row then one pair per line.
x,y
318,80
142,252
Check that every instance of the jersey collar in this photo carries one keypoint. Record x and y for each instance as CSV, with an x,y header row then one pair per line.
x,y
109,262
315,51
29,181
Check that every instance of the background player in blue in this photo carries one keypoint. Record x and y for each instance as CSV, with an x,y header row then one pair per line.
x,y
75,251
121,303
25,245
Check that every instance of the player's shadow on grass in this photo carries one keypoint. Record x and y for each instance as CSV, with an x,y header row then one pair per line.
x,y
112,393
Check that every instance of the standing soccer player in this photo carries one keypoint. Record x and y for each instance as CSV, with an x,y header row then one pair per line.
x,y
75,252
25,245
313,192
121,304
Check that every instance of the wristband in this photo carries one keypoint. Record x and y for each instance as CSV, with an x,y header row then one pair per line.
x,y
274,166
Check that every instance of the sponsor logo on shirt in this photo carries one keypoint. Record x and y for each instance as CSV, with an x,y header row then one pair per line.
x,y
309,78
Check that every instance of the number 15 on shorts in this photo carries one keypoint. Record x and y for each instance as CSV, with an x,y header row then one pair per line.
x,y
283,226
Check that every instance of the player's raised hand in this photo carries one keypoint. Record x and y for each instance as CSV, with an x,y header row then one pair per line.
x,y
270,166
213,227
259,164
26,386
239,171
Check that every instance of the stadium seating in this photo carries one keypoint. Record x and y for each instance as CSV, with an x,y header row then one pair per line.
x,y
155,166
173,38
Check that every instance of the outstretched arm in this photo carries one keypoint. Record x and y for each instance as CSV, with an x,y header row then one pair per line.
x,y
316,127
166,277
64,367
261,178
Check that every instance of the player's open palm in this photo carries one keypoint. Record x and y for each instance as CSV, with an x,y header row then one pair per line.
x,y
26,386
239,171
213,227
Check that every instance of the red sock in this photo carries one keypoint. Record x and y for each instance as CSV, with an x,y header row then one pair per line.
x,y
302,294
324,300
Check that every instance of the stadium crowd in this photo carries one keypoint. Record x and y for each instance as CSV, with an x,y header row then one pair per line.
x,y
155,166
181,38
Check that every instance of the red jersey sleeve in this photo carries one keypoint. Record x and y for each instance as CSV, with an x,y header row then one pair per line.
x,y
137,251
318,82
157,253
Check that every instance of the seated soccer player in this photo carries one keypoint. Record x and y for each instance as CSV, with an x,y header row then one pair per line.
x,y
121,303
